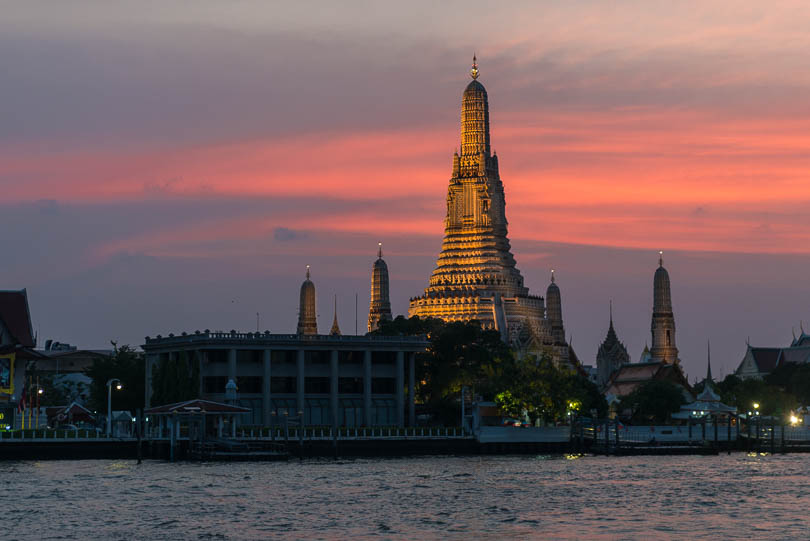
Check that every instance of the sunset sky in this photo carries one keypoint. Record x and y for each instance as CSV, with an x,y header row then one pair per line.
x,y
171,166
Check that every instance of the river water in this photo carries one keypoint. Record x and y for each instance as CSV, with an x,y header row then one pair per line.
x,y
734,496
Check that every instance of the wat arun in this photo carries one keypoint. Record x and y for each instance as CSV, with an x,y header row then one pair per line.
x,y
476,277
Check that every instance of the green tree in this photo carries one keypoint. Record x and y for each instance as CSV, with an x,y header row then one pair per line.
x,y
653,401
175,378
126,365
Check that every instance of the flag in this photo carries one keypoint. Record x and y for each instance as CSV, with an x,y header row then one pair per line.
x,y
21,403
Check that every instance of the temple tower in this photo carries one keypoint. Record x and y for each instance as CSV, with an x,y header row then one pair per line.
x,y
307,316
663,321
380,306
335,330
476,277
611,355
554,311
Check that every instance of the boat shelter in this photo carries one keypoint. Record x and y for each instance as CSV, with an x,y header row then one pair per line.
x,y
193,419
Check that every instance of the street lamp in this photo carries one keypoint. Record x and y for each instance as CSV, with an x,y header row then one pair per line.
x,y
109,402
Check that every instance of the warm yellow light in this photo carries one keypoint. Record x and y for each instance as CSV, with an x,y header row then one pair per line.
x,y
794,420
119,386
39,391
756,405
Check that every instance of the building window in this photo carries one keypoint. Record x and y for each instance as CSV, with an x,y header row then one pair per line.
x,y
350,357
317,412
316,385
383,357
256,416
283,356
214,384
217,355
350,385
669,342
351,412
317,357
383,412
383,385
280,406
249,384
283,384
249,356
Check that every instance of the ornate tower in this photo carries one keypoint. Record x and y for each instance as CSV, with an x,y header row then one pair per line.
x,y
475,276
335,330
307,317
663,321
554,311
611,355
380,306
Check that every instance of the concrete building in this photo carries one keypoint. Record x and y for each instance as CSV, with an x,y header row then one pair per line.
x,y
334,380
476,277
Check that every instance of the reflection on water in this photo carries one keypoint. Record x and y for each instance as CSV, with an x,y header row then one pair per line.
x,y
737,496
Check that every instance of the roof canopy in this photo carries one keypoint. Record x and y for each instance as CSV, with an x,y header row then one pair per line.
x,y
15,315
196,407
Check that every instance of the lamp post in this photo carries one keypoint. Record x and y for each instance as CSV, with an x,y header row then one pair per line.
x,y
109,402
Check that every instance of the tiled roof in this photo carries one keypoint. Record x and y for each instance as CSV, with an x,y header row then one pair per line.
x,y
197,406
765,358
16,317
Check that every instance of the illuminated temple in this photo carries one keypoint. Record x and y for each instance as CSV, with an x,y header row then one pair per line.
x,y
476,277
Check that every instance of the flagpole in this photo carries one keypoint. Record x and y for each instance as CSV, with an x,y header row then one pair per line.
x,y
37,422
30,382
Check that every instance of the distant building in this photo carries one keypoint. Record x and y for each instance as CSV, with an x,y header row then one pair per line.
x,y
611,355
333,380
660,362
758,362
707,402
17,343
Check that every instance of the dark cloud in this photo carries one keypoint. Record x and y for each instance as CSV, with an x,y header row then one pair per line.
x,y
284,234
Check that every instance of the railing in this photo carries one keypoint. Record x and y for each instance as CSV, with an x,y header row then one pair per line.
x,y
327,433
45,434
269,337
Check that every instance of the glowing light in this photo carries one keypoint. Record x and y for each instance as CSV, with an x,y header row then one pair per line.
x,y
794,420
119,386
756,405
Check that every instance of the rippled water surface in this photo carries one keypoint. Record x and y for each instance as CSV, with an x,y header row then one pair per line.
x,y
737,496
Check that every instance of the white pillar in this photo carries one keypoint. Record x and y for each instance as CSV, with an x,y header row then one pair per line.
x,y
266,388
367,387
333,387
412,390
399,390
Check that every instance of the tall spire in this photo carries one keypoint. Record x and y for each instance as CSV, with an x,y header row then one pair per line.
x,y
335,331
709,362
552,276
663,321
475,267
611,313
307,316
379,308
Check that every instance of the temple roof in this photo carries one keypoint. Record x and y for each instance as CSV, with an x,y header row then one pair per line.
x,y
15,315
